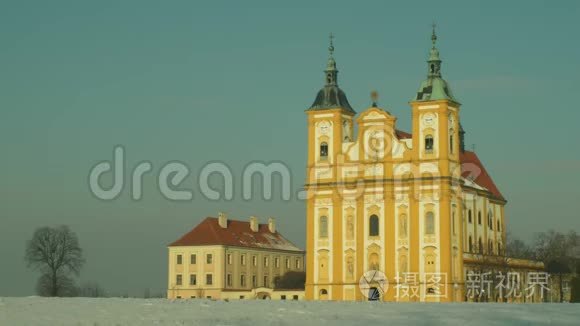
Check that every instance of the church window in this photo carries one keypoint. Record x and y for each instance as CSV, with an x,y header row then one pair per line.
x,y
480,248
479,218
430,223
469,216
470,244
323,231
373,226
429,144
323,151
451,143
498,225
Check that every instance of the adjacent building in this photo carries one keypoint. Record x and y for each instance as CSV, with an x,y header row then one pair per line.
x,y
229,259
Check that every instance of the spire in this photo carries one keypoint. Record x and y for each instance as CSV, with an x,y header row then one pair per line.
x,y
331,96
434,87
331,72
434,61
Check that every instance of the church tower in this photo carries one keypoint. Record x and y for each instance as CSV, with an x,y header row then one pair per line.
x,y
330,125
436,156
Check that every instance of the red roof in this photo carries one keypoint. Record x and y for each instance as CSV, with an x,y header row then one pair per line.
x,y
473,169
403,135
237,234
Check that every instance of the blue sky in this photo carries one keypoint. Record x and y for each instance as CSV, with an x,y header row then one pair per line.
x,y
207,81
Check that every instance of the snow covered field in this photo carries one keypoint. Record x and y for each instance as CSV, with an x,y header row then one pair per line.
x,y
113,311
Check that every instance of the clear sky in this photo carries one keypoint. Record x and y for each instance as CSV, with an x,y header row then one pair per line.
x,y
216,81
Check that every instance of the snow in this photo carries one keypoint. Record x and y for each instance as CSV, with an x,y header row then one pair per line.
x,y
117,311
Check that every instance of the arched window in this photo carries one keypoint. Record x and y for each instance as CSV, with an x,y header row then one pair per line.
x,y
469,216
323,151
429,223
373,226
480,249
323,231
490,220
490,245
498,225
479,218
429,144
470,244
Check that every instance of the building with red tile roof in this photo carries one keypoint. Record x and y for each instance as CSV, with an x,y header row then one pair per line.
x,y
222,258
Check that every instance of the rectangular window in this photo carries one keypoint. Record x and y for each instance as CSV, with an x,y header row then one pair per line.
x,y
178,297
193,259
179,259
266,284
294,297
208,279
192,279
297,263
192,297
230,259
254,260
287,263
178,279
254,281
243,259
229,279
277,262
243,280
209,258
429,144
282,297
241,296
265,261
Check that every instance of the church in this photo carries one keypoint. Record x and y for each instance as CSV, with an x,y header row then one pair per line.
x,y
417,207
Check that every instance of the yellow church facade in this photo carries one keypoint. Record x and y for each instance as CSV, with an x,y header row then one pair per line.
x,y
416,207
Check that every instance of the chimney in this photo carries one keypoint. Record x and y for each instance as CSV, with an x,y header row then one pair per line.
x,y
272,225
254,224
223,220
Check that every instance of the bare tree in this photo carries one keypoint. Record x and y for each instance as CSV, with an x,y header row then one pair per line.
x,y
558,252
57,254
516,248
